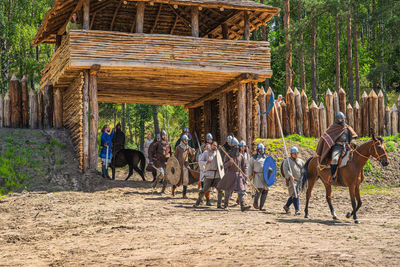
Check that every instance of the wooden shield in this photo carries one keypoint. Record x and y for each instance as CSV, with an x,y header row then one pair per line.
x,y
173,170
269,171
220,164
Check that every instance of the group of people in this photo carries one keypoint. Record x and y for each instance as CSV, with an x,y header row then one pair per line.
x,y
229,168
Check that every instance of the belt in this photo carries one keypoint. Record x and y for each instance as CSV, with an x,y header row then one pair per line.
x,y
339,143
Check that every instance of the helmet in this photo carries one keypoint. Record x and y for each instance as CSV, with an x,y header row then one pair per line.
x,y
209,136
185,138
261,146
294,150
158,136
229,139
185,130
163,133
242,143
234,142
340,115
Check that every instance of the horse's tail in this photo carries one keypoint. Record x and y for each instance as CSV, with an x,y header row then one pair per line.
x,y
304,173
142,163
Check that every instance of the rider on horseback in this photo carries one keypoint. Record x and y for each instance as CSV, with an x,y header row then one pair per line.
x,y
335,141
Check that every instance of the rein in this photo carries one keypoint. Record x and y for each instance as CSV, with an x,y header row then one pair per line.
x,y
376,153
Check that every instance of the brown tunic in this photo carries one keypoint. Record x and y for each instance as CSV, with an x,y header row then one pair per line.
x,y
234,179
183,153
161,152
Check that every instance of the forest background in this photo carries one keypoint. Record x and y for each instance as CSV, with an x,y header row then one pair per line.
x,y
316,45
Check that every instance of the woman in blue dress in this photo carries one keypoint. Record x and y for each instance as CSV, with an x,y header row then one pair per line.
x,y
105,154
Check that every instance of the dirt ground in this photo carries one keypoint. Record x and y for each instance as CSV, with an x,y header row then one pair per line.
x,y
127,224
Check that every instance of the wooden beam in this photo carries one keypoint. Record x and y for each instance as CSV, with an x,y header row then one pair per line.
x,y
173,26
246,25
78,6
115,15
243,78
241,111
86,16
185,21
231,16
156,20
94,117
195,21
92,21
140,17
225,31
85,121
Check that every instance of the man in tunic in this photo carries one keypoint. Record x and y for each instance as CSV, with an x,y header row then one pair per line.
x,y
211,174
183,152
202,169
150,166
162,151
234,179
256,173
147,144
334,142
227,146
190,139
105,153
243,150
292,171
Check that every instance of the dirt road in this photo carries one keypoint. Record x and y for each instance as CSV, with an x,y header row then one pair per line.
x,y
126,224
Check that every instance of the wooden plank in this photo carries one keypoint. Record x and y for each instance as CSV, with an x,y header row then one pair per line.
x,y
7,110
195,21
94,117
86,16
223,117
373,112
285,119
365,116
299,112
381,113
304,107
330,112
33,123
85,121
336,108
58,108
241,109
25,102
16,104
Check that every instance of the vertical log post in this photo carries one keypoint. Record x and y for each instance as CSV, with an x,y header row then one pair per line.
x,y
192,121
342,101
1,111
48,106
322,118
223,117
249,114
94,117
255,118
263,116
32,110
330,112
336,108
85,119
381,113
373,112
285,119
25,102
40,109
225,31
207,113
299,112
395,120
304,107
139,17
86,17
314,120
242,111
7,110
364,113
195,21
58,108
357,119
388,122
350,115
16,105
246,25
291,107
398,112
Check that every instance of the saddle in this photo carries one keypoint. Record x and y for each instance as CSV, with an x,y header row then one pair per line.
x,y
343,160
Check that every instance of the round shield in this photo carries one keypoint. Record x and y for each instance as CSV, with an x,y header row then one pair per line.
x,y
269,171
173,170
220,165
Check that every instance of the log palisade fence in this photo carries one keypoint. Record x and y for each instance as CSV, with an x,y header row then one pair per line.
x,y
298,117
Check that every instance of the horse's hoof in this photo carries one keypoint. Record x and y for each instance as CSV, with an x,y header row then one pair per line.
x,y
356,221
335,217
306,216
348,215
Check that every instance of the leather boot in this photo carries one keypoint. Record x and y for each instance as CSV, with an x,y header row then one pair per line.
x,y
198,201
106,173
219,201
164,186
263,198
173,191
226,201
256,198
184,192
243,206
103,169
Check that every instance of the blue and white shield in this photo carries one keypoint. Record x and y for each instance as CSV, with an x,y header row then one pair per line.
x,y
269,171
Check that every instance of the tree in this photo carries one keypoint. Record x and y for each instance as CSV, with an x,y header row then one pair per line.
x,y
350,57
286,19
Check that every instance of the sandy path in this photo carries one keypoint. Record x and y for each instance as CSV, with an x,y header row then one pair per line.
x,y
129,225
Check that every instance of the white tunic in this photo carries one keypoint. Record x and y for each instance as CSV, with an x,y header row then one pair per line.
x,y
256,167
147,144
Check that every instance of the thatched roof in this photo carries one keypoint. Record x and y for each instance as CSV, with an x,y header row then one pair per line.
x,y
161,16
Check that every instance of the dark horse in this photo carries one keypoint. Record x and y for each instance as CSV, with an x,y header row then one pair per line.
x,y
351,175
129,157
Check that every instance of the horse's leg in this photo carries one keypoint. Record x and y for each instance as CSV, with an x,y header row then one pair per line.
x,y
353,202
358,198
130,172
136,168
113,172
311,183
328,188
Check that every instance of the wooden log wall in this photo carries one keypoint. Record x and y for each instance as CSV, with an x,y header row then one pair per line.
x,y
25,102
16,103
372,116
223,117
7,111
33,119
1,111
48,106
263,116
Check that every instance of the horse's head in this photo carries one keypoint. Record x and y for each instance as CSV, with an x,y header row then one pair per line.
x,y
379,151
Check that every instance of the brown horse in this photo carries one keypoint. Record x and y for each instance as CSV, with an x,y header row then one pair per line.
x,y
350,176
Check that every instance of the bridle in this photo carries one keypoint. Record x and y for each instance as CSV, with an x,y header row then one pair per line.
x,y
376,156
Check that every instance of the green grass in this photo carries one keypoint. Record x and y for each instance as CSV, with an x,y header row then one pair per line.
x,y
371,189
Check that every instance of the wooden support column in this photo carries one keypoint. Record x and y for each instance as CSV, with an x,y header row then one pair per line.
x,y
40,109
249,114
16,105
32,110
350,115
86,16
85,121
223,117
241,112
58,108
314,120
395,120
342,101
48,106
285,119
25,102
140,17
336,108
195,21
94,117
246,25
7,110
